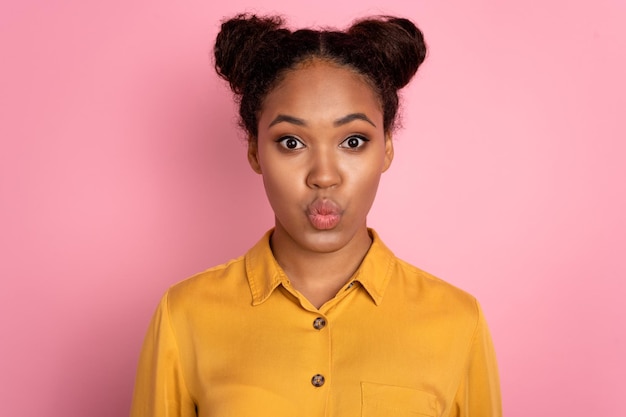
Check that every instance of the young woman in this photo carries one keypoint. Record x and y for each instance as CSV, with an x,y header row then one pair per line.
x,y
319,318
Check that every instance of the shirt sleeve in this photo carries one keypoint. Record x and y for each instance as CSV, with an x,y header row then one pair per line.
x,y
160,389
479,391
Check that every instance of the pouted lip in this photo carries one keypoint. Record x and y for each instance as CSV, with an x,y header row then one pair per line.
x,y
324,213
323,207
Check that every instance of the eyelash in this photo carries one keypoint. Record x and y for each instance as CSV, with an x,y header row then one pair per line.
x,y
283,142
363,140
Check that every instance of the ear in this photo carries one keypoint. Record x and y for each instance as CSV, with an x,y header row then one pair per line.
x,y
253,155
388,151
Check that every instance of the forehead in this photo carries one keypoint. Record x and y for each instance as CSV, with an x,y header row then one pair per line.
x,y
319,89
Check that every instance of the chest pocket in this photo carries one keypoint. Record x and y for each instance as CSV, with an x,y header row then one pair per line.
x,y
380,400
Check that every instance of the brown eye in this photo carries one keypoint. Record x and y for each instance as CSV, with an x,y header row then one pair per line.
x,y
353,142
290,142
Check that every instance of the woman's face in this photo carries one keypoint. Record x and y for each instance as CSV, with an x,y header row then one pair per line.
x,y
321,150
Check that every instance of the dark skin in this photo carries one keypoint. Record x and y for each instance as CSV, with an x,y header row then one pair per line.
x,y
321,149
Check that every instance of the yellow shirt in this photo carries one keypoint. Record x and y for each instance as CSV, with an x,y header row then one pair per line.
x,y
238,340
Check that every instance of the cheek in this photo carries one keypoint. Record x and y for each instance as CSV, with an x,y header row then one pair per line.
x,y
279,184
365,174
367,186
273,173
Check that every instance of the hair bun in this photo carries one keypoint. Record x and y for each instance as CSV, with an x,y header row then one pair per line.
x,y
398,44
241,40
254,52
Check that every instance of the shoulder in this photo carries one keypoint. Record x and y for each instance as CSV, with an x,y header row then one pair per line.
x,y
219,281
430,282
435,293
406,284
228,284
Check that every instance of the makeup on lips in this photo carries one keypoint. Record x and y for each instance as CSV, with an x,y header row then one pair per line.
x,y
324,214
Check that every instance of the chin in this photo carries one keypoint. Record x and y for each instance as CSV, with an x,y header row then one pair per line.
x,y
326,241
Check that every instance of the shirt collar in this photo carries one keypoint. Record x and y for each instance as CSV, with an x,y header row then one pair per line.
x,y
264,273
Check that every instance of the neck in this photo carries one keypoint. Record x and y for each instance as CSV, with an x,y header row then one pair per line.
x,y
319,275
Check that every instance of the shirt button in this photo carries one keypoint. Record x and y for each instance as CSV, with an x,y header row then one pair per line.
x,y
319,323
318,380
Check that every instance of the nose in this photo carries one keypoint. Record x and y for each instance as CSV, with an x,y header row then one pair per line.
x,y
324,170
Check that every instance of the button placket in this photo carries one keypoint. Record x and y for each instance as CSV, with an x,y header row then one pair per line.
x,y
319,323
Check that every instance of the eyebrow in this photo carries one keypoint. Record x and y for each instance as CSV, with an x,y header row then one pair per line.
x,y
339,122
289,119
351,117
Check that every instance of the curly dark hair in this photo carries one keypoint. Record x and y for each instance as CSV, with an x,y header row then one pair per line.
x,y
254,54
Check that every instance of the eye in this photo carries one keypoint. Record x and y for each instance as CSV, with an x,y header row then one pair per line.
x,y
290,142
354,142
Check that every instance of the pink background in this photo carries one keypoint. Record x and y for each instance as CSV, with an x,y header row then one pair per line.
x,y
121,172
